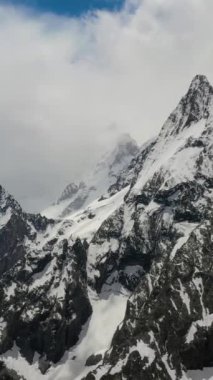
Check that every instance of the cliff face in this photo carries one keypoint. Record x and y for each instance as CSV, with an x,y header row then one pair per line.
x,y
43,284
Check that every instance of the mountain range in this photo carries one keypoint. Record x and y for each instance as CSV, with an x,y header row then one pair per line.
x,y
115,280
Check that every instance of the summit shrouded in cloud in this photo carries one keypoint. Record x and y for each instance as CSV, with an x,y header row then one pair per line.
x,y
70,84
97,182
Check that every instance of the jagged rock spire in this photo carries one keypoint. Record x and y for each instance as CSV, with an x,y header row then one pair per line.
x,y
193,107
198,81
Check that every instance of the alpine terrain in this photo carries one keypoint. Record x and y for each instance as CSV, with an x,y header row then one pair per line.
x,y
115,280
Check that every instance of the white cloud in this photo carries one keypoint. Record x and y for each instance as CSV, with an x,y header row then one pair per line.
x,y
64,82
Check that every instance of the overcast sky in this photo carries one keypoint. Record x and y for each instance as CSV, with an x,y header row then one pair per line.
x,y
68,84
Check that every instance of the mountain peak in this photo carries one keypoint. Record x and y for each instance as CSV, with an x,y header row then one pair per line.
x,y
97,182
7,201
199,80
196,103
195,106
70,190
200,86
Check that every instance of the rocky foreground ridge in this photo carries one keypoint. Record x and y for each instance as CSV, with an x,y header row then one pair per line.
x,y
150,235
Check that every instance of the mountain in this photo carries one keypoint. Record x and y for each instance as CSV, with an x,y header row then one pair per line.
x,y
36,263
121,287
96,183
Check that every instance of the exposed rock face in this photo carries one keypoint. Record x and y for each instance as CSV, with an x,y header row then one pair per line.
x,y
47,325
151,233
43,285
70,191
12,233
93,360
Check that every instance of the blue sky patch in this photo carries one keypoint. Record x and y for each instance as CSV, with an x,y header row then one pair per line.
x,y
68,7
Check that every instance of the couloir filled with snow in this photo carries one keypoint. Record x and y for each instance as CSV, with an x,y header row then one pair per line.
x,y
95,338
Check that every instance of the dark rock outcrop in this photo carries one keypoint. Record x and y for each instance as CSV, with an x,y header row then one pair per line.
x,y
93,360
43,285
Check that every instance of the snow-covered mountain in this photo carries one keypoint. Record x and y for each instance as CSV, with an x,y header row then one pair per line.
x,y
119,287
95,184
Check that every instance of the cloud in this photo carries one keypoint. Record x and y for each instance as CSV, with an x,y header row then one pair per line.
x,y
69,85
